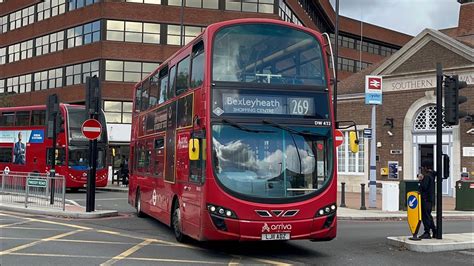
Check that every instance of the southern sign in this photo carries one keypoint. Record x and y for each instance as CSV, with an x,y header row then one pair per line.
x,y
427,81
413,211
36,182
91,129
373,90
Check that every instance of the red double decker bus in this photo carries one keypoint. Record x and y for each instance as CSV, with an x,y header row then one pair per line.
x,y
25,148
232,137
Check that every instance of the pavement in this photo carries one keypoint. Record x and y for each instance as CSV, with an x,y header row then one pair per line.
x,y
352,211
41,206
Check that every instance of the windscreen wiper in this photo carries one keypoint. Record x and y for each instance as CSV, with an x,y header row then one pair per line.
x,y
243,128
293,131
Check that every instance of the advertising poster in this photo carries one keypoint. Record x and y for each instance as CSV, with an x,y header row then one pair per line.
x,y
393,170
19,140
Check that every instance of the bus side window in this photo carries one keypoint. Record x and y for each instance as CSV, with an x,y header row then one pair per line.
x,y
147,150
145,94
138,98
182,80
197,65
159,158
38,118
172,79
22,118
6,155
131,163
141,158
154,90
59,156
163,85
7,119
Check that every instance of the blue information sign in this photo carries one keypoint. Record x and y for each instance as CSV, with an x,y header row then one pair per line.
x,y
412,202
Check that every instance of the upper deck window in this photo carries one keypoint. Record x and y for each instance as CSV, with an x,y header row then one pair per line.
x,y
266,53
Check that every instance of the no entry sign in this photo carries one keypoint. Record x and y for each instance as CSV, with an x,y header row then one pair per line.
x,y
91,129
338,137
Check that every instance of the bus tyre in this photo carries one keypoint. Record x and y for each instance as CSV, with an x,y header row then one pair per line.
x,y
138,204
176,223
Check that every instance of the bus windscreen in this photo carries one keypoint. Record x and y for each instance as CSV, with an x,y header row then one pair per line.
x,y
266,53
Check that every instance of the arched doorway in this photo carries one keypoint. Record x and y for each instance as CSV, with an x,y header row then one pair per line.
x,y
424,142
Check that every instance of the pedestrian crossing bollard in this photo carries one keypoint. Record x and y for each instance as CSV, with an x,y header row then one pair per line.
x,y
362,197
343,194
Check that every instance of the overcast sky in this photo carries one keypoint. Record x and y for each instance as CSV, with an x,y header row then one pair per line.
x,y
407,16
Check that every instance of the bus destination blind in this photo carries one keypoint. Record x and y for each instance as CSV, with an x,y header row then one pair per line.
x,y
263,104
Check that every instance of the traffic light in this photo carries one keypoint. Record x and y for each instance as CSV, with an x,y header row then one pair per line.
x,y
52,110
452,99
93,96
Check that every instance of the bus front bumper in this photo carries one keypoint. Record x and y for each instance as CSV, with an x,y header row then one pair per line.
x,y
318,229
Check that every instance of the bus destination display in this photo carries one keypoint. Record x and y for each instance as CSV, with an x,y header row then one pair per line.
x,y
263,104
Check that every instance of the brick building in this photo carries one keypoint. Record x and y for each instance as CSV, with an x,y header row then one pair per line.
x,y
51,46
406,121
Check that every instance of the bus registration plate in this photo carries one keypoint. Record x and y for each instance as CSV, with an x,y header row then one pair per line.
x,y
277,236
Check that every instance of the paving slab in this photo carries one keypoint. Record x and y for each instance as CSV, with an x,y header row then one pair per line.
x,y
450,242
72,211
375,215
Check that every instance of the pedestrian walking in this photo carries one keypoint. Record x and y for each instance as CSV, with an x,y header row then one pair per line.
x,y
427,191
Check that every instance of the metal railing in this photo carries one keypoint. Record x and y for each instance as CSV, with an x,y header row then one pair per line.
x,y
33,189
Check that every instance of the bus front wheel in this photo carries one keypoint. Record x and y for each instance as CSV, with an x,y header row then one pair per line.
x,y
138,204
176,223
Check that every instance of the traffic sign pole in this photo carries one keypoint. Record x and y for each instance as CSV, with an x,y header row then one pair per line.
x,y
92,129
373,167
439,151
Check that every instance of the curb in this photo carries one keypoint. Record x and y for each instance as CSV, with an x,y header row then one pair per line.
x,y
400,218
113,189
59,213
428,246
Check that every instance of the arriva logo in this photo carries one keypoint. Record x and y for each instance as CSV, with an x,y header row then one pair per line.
x,y
265,228
276,227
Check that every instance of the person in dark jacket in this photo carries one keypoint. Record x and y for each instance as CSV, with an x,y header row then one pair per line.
x,y
124,171
427,191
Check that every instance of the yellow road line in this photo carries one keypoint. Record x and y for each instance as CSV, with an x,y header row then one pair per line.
x,y
129,258
177,261
153,239
37,242
17,223
33,228
126,253
266,261
83,241
235,260
271,262
47,222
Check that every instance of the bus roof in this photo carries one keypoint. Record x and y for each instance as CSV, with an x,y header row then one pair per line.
x,y
212,28
34,107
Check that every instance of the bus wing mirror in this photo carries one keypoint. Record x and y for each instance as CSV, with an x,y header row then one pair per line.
x,y
353,142
193,149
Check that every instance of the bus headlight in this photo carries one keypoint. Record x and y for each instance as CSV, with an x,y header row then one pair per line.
x,y
221,211
330,209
